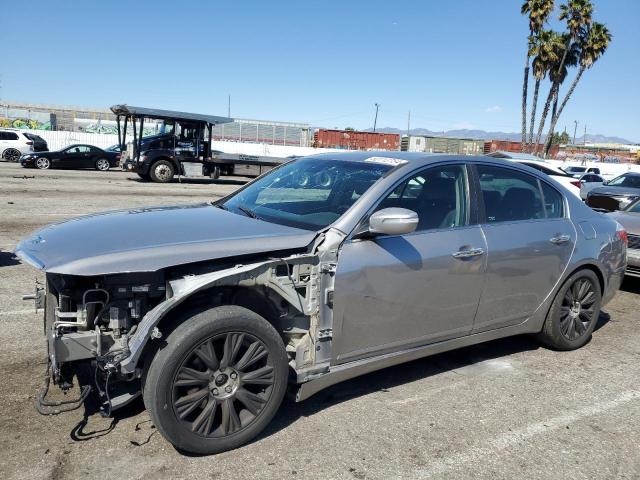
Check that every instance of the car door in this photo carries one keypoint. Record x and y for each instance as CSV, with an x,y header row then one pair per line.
x,y
398,291
529,244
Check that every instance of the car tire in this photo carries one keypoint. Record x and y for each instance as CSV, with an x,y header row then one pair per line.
x,y
574,312
103,164
162,171
11,155
42,163
217,380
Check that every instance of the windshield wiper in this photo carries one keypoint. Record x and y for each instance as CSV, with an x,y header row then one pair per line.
x,y
248,212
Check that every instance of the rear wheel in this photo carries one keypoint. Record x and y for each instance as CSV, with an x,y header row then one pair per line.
x,y
11,155
161,171
43,163
574,312
218,381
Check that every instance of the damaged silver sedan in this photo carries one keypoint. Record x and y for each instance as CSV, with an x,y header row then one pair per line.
x,y
323,269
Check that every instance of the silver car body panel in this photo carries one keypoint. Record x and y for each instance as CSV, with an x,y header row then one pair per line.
x,y
371,303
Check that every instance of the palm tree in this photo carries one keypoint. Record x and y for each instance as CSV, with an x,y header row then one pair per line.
x,y
593,43
577,15
545,52
538,12
557,73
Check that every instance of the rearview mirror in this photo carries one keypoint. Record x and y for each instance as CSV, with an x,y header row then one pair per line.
x,y
393,221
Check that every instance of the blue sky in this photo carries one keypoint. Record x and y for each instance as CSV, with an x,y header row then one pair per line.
x,y
454,64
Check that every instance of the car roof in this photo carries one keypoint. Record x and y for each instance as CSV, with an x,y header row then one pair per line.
x,y
419,159
515,156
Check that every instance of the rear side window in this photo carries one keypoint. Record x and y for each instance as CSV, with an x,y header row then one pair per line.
x,y
8,136
510,195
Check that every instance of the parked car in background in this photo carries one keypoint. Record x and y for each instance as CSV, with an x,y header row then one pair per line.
x,y
39,143
579,171
13,144
323,269
588,182
562,177
72,157
629,218
114,148
616,194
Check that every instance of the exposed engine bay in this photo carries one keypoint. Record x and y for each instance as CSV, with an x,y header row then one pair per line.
x,y
101,330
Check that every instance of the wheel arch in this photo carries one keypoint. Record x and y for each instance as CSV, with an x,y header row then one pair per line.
x,y
251,286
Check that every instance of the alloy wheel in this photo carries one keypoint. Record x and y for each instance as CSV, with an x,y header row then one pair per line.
x,y
43,163
11,155
223,384
578,309
102,164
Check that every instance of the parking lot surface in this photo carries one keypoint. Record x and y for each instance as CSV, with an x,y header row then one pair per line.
x,y
505,409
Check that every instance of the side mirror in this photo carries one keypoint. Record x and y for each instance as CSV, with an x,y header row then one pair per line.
x,y
393,221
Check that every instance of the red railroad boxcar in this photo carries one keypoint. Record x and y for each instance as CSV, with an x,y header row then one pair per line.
x,y
352,140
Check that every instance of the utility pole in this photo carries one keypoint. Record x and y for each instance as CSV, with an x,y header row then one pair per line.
x,y
575,128
375,120
229,106
584,139
408,122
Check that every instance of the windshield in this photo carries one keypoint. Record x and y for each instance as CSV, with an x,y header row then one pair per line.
x,y
626,180
310,193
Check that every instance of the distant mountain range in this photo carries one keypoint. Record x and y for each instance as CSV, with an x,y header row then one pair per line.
x,y
482,134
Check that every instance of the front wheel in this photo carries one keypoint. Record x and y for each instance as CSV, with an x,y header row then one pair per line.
x,y
161,171
43,163
574,312
218,381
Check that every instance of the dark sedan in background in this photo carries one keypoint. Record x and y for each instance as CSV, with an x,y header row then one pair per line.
x,y
73,157
616,194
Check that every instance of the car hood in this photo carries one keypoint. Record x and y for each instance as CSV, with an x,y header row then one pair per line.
x,y
630,221
149,239
615,191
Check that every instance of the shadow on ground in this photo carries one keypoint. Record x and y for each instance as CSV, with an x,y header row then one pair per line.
x,y
631,284
8,259
199,181
379,381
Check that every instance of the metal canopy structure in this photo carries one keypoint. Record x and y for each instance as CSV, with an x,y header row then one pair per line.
x,y
155,113
130,114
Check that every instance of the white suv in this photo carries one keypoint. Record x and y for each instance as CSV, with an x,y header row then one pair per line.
x,y
13,144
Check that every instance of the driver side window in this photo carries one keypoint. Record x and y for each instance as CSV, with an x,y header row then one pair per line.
x,y
438,195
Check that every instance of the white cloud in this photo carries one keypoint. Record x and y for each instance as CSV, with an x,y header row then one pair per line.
x,y
494,109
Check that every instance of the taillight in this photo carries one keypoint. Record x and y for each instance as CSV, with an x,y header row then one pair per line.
x,y
576,183
118,157
622,234
29,143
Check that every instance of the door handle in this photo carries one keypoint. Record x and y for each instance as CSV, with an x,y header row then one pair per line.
x,y
560,239
472,252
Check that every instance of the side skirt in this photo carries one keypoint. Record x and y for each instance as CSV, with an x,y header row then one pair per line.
x,y
346,371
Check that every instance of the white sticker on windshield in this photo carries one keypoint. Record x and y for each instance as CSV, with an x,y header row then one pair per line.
x,y
386,160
